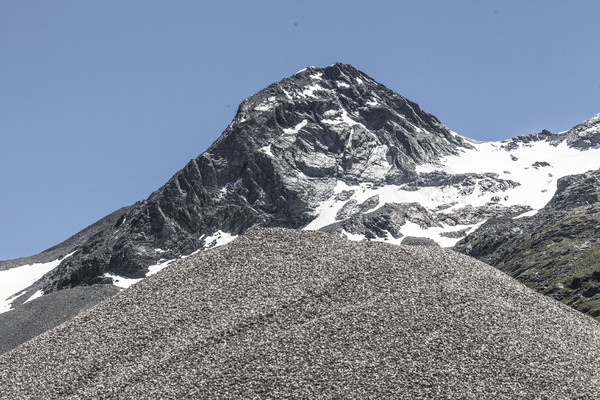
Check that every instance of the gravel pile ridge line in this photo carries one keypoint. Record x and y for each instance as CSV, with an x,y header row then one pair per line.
x,y
290,314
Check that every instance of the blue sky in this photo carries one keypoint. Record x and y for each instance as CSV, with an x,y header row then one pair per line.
x,y
101,102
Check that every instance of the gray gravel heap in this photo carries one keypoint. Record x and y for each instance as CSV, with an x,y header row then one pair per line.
x,y
281,313
37,316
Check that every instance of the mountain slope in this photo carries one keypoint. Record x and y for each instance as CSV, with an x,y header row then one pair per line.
x,y
556,251
326,149
319,150
278,160
282,313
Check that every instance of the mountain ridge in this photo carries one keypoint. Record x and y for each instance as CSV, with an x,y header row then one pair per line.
x,y
176,216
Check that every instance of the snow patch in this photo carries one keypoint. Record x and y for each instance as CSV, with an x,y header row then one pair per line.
x,y
302,70
537,185
340,118
37,294
153,269
13,281
267,151
219,238
309,91
122,281
526,214
296,129
266,106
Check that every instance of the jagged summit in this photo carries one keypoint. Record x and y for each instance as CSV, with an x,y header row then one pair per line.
x,y
340,123
283,154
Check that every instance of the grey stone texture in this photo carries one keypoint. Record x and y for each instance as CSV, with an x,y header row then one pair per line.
x,y
290,314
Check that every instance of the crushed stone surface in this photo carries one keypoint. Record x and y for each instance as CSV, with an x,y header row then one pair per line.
x,y
292,314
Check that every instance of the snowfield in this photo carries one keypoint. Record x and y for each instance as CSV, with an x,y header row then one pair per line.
x,y
13,282
535,166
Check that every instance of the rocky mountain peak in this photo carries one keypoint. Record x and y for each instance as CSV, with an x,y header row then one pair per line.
x,y
338,122
586,134
325,149
277,161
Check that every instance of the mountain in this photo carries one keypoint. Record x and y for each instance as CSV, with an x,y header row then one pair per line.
x,y
326,149
280,158
290,314
556,251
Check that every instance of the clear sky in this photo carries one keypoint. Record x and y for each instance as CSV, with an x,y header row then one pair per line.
x,y
101,102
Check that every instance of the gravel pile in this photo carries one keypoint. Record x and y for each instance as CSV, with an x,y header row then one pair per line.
x,y
37,316
281,313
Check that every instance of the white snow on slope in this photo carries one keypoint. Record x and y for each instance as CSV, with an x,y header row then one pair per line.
x,y
37,294
296,129
219,238
267,150
14,281
309,91
122,281
538,184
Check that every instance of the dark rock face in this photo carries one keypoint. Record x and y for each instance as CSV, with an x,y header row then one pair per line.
x,y
281,156
383,221
585,135
466,183
557,251
474,215
576,190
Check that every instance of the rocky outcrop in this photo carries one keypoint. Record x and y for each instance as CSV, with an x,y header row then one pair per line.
x,y
465,183
469,215
576,190
531,138
583,136
556,251
352,207
383,222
